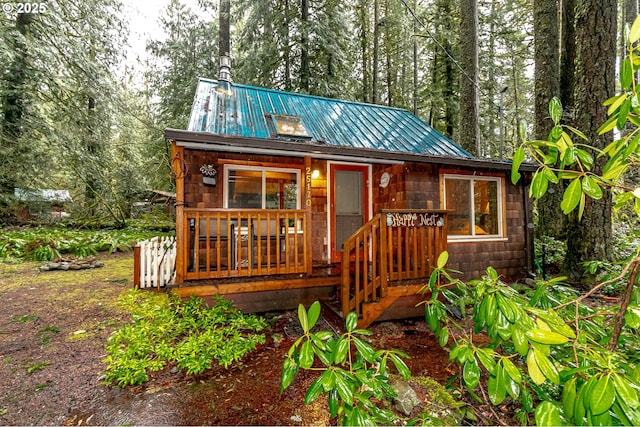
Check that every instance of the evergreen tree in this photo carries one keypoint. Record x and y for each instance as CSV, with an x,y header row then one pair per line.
x,y
294,46
74,125
190,51
362,24
590,238
469,119
551,220
440,97
505,86
330,51
17,95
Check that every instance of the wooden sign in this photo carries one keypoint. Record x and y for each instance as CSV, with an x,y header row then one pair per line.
x,y
414,219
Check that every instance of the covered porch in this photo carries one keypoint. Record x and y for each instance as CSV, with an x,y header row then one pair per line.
x,y
222,243
237,252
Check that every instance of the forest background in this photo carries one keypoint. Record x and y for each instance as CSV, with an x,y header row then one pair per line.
x,y
76,114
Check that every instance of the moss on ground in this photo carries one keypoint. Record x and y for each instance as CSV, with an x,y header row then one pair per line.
x,y
67,292
440,408
26,275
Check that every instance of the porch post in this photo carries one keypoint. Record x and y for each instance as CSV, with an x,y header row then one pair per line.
x,y
384,266
308,256
178,166
136,266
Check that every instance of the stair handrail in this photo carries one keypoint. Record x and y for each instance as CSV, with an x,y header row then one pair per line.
x,y
393,253
373,284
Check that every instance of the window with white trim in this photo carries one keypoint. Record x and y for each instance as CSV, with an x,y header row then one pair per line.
x,y
249,187
476,204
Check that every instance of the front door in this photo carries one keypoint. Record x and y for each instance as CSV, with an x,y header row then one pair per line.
x,y
349,204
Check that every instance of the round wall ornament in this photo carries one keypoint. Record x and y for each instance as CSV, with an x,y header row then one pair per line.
x,y
384,180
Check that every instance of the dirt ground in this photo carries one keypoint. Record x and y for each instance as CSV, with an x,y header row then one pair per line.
x,y
53,328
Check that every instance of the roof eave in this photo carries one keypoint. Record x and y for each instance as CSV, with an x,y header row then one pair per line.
x,y
206,139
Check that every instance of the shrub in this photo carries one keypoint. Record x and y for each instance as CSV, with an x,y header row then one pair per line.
x,y
165,329
549,253
46,244
549,351
354,374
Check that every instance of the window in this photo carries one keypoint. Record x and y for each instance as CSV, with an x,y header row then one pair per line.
x,y
261,188
476,203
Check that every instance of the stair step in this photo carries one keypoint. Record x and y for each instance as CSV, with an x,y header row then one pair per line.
x,y
332,314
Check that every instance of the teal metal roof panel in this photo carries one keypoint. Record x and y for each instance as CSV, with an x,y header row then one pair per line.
x,y
240,110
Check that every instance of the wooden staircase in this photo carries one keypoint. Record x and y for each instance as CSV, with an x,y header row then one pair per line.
x,y
387,258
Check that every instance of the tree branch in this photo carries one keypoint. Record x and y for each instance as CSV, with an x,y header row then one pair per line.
x,y
596,288
626,298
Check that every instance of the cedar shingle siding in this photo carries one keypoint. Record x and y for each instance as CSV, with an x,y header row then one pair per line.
x,y
412,186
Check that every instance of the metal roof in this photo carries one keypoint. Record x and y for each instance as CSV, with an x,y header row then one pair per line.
x,y
245,111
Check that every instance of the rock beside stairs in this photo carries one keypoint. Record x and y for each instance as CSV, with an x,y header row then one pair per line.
x,y
407,398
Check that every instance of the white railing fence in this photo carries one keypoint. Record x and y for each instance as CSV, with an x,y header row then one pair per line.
x,y
155,262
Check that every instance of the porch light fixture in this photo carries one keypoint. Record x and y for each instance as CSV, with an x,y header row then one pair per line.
x,y
315,174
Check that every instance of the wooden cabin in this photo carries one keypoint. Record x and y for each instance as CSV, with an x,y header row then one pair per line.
x,y
43,205
285,198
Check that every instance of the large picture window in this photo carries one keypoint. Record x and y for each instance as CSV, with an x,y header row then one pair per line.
x,y
249,187
476,205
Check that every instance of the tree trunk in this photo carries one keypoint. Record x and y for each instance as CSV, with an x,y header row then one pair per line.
x,y
469,128
590,239
414,91
92,180
449,110
376,48
364,48
390,64
567,57
551,220
434,81
286,53
516,104
304,46
546,58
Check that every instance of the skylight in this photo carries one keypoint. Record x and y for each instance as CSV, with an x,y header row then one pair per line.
x,y
288,126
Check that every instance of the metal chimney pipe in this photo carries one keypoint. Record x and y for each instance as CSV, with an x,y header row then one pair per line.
x,y
225,69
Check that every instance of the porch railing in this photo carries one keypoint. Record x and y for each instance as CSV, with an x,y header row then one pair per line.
x,y
154,262
251,242
394,245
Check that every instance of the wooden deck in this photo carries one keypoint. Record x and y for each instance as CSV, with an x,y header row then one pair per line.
x,y
260,259
266,293
211,287
224,243
263,294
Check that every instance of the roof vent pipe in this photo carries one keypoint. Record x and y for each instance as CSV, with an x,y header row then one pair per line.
x,y
225,69
224,45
